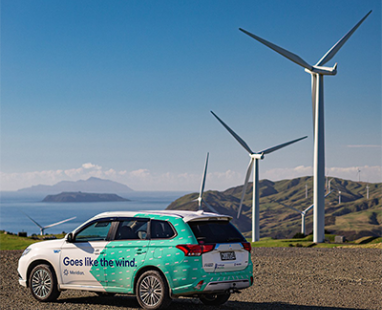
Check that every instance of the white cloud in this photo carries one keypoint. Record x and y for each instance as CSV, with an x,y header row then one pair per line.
x,y
91,166
140,173
286,173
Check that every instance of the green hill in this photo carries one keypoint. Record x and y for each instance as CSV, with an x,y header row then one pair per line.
x,y
355,217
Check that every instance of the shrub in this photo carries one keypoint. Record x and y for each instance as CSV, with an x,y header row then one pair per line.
x,y
298,236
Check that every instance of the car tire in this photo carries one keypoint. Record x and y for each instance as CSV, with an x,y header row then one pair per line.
x,y
214,299
152,291
43,283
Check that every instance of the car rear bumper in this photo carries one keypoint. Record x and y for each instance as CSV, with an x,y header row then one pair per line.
x,y
218,286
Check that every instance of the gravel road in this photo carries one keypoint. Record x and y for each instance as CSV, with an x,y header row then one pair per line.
x,y
285,278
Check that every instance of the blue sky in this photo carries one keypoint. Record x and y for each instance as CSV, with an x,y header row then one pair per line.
x,y
123,90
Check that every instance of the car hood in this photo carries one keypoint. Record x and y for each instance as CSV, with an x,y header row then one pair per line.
x,y
48,244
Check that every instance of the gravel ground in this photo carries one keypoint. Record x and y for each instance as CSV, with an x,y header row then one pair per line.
x,y
285,278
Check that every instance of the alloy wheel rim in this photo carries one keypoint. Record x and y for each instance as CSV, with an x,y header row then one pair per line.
x,y
150,291
41,283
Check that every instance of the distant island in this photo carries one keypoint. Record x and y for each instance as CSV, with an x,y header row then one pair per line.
x,y
91,185
83,197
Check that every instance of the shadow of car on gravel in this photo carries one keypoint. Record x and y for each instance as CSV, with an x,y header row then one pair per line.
x,y
130,302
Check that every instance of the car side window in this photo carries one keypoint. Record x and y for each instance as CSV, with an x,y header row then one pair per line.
x,y
97,231
161,230
132,230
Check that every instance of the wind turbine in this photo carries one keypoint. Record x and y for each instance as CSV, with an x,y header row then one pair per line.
x,y
329,184
339,197
359,174
317,72
254,161
303,213
42,229
200,199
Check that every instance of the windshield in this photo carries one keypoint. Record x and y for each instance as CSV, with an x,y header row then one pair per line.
x,y
215,232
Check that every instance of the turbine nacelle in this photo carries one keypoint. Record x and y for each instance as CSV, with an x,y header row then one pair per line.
x,y
323,70
257,156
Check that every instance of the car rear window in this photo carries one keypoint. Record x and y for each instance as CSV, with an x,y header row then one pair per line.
x,y
215,232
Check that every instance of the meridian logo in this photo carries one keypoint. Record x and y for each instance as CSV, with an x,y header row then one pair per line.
x,y
77,272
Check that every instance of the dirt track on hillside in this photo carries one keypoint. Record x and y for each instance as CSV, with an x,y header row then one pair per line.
x,y
285,278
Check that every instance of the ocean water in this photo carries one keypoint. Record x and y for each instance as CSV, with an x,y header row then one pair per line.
x,y
14,207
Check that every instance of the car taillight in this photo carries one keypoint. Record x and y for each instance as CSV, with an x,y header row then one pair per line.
x,y
195,249
247,246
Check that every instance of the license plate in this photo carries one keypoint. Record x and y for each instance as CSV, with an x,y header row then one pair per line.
x,y
227,256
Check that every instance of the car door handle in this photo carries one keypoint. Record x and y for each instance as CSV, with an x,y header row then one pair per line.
x,y
141,251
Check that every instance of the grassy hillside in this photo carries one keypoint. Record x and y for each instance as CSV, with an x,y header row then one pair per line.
x,y
13,242
355,217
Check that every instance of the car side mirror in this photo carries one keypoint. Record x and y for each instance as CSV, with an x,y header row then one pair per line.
x,y
69,237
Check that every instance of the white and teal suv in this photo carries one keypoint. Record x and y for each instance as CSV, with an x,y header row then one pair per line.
x,y
155,255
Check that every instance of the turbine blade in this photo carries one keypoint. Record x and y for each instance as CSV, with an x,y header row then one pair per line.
x,y
293,57
311,206
240,140
204,178
308,208
249,170
275,148
328,194
210,207
336,47
33,220
51,225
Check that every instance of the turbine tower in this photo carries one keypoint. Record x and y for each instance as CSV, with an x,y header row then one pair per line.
x,y
42,229
254,161
339,197
317,72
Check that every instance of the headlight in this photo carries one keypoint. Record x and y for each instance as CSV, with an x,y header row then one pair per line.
x,y
26,251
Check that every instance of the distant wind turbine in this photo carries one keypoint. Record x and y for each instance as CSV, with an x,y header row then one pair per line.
x,y
339,197
317,72
359,174
303,213
254,161
200,199
42,229
329,184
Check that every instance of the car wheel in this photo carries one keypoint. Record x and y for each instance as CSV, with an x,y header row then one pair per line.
x,y
214,299
43,283
152,291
